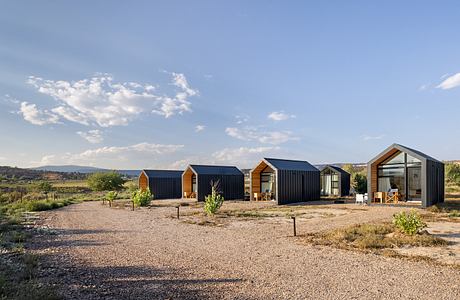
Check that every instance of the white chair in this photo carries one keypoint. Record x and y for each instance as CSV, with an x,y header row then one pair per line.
x,y
359,198
366,198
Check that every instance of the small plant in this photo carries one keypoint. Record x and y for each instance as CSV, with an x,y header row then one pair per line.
x,y
214,201
142,197
408,222
111,196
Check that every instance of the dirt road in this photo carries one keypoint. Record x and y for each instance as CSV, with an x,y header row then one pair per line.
x,y
97,252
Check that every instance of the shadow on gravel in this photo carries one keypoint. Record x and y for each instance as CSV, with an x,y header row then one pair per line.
x,y
81,281
131,282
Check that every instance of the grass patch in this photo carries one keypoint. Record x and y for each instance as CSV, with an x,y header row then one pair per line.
x,y
373,237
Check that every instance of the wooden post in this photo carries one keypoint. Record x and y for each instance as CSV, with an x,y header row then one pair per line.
x,y
178,211
293,219
133,205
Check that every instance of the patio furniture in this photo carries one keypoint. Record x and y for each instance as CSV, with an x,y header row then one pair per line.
x,y
256,196
381,196
366,198
360,198
393,196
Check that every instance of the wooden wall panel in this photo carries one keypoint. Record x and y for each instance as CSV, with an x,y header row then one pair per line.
x,y
143,182
187,182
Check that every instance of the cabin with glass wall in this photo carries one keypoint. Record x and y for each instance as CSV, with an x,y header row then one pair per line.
x,y
197,181
335,181
284,181
404,175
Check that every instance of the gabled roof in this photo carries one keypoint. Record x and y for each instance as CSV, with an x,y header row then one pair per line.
x,y
335,168
291,165
215,170
410,151
163,173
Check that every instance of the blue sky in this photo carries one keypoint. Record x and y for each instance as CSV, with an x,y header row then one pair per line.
x,y
160,84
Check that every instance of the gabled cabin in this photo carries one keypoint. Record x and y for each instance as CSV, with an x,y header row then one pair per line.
x,y
197,179
285,181
163,184
334,181
416,177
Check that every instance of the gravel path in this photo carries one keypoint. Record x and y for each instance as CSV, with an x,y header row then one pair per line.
x,y
119,254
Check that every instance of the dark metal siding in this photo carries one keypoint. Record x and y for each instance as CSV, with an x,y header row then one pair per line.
x,y
231,186
298,186
434,183
344,184
166,188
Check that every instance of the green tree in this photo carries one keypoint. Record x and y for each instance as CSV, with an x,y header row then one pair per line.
x,y
349,168
453,173
359,183
109,181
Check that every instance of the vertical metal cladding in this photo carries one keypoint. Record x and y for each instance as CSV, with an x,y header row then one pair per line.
x,y
434,183
344,184
231,186
166,188
298,186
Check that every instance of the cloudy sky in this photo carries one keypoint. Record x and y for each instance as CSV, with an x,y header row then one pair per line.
x,y
160,84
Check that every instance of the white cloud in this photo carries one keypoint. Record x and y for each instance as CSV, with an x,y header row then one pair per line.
x,y
243,156
32,114
279,116
450,82
100,100
92,136
199,128
129,156
266,137
240,119
376,137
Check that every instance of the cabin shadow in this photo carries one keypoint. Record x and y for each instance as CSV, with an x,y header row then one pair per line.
x,y
81,281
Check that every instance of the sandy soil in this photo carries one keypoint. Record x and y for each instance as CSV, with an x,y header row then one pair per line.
x,y
94,252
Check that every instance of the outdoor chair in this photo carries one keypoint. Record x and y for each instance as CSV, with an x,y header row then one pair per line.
x,y
256,196
379,196
393,196
359,199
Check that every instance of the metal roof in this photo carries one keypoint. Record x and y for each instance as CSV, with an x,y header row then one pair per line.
x,y
413,152
215,170
335,168
163,173
292,165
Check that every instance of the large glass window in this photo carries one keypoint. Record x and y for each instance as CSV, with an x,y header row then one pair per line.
x,y
403,173
267,182
329,183
194,189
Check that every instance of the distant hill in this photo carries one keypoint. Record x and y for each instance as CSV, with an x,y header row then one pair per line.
x,y
70,169
84,170
18,174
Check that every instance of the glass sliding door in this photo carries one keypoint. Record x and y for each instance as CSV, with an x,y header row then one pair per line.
x,y
194,189
414,176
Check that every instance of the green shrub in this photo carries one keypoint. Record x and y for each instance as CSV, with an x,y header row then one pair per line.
x,y
214,201
408,222
142,197
44,187
111,196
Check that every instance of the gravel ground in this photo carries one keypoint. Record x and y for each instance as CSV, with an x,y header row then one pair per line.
x,y
99,252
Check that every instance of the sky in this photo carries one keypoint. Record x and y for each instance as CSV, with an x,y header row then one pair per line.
x,y
164,84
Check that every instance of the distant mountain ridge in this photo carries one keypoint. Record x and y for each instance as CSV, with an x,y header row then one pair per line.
x,y
84,170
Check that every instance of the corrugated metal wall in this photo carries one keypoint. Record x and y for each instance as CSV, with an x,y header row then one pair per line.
x,y
344,184
434,183
166,188
298,186
231,186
